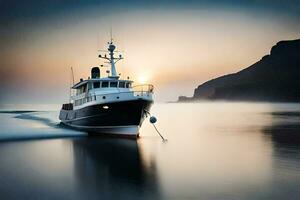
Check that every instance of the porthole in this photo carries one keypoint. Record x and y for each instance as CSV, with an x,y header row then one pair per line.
x,y
103,97
118,97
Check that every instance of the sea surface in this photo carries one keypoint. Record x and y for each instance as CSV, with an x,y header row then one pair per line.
x,y
215,151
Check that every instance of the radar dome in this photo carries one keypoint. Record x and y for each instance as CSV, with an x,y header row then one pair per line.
x,y
111,47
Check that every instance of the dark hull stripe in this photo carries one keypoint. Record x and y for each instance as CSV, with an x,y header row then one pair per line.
x,y
118,114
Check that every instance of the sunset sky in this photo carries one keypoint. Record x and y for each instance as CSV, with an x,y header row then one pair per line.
x,y
175,45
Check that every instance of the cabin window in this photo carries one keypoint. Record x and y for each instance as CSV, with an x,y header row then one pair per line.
x,y
105,84
84,88
90,85
113,84
96,84
128,85
122,84
81,89
78,92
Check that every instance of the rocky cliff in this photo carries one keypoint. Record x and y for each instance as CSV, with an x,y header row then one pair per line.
x,y
276,77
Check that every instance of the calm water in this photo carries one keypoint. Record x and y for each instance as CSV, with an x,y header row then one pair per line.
x,y
214,151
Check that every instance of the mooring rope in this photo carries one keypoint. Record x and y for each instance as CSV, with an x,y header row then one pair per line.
x,y
153,121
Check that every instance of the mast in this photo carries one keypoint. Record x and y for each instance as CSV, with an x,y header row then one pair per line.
x,y
112,60
113,70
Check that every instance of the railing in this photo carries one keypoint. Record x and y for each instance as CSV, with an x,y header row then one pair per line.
x,y
137,91
144,87
67,106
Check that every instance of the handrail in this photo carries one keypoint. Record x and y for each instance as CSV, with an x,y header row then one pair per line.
x,y
149,87
142,85
132,91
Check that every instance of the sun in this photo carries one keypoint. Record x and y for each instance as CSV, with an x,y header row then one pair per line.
x,y
143,79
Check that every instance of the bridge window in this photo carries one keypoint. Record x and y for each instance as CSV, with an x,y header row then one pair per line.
x,y
128,85
122,84
113,84
96,84
105,84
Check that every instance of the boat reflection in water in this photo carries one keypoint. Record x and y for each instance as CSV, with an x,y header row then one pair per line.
x,y
112,168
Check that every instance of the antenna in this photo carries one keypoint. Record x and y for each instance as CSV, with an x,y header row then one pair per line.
x,y
72,75
97,40
111,38
111,59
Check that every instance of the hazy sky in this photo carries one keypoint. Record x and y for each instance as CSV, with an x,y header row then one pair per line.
x,y
176,45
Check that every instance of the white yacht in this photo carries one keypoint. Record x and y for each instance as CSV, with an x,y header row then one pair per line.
x,y
108,105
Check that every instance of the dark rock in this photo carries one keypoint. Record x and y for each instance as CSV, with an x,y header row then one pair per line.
x,y
276,77
184,99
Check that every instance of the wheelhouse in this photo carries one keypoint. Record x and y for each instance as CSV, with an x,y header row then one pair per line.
x,y
84,86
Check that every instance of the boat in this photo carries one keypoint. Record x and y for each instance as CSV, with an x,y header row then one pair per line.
x,y
109,104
